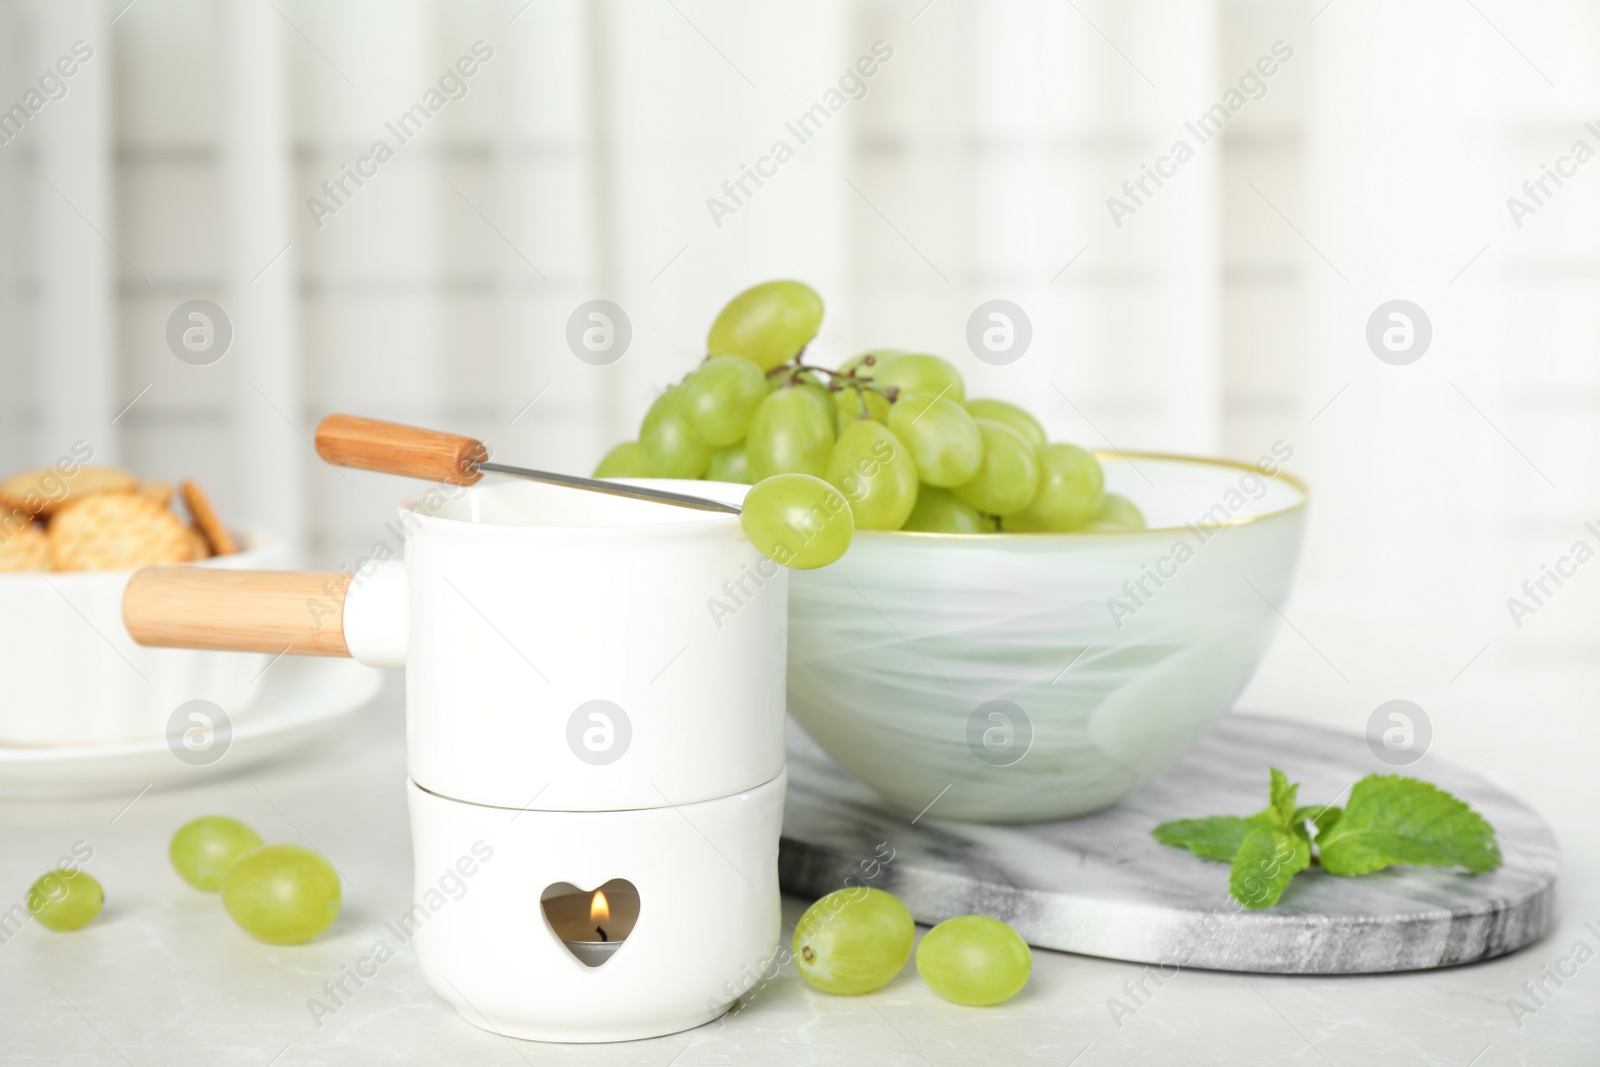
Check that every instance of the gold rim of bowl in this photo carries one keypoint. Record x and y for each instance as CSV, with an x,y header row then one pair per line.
x,y
1209,461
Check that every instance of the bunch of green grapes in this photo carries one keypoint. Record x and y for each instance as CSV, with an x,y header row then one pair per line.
x,y
887,441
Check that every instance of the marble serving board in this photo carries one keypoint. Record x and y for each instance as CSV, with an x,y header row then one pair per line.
x,y
1101,886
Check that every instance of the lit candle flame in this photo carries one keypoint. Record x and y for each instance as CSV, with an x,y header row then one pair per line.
x,y
599,908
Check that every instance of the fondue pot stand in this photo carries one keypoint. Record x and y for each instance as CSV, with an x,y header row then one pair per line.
x,y
594,698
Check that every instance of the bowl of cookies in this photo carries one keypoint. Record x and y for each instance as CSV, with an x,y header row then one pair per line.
x,y
70,536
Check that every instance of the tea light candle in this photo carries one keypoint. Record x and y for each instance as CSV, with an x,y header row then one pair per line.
x,y
594,925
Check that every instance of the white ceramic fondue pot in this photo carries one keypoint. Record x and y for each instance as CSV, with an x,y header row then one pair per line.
x,y
564,650
612,667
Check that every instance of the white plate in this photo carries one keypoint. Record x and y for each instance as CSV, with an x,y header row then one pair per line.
x,y
300,699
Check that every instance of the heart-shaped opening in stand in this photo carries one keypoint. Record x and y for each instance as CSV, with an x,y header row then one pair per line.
x,y
592,923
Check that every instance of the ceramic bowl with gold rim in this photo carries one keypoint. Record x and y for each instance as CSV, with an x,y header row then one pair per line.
x,y
1029,677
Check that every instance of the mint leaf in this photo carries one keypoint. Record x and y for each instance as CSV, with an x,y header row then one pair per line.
x,y
1216,838
1219,836
1322,816
1266,861
1392,820
1282,793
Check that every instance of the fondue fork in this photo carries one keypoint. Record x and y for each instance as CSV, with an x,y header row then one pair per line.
x,y
393,448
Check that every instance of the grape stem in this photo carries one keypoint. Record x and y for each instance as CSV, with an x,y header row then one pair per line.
x,y
849,379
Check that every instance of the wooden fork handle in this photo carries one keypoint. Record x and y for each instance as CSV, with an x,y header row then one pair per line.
x,y
393,448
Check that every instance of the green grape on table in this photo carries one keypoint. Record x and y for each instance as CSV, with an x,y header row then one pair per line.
x,y
1009,476
916,372
797,521
65,899
853,402
853,940
974,960
203,849
728,464
721,396
623,461
768,324
943,439
281,894
672,446
1013,416
875,473
792,433
1071,485
1117,513
938,511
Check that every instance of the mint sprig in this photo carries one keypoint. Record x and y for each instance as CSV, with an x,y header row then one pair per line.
x,y
1216,838
1265,863
1390,820
1393,820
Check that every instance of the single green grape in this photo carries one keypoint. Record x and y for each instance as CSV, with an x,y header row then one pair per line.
x,y
728,464
1013,416
875,473
768,324
671,445
65,899
797,521
878,357
1010,473
281,894
938,511
824,396
1071,485
811,383
202,850
792,433
721,397
1116,513
974,960
852,402
917,372
853,940
623,461
943,439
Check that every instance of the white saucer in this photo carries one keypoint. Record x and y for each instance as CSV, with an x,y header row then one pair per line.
x,y
301,698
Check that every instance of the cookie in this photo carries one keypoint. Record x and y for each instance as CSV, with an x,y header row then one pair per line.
x,y
116,532
45,491
23,545
198,543
160,492
205,517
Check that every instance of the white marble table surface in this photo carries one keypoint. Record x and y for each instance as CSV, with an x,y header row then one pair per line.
x,y
163,977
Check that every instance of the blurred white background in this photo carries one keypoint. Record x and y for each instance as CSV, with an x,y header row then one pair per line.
x,y
1227,313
